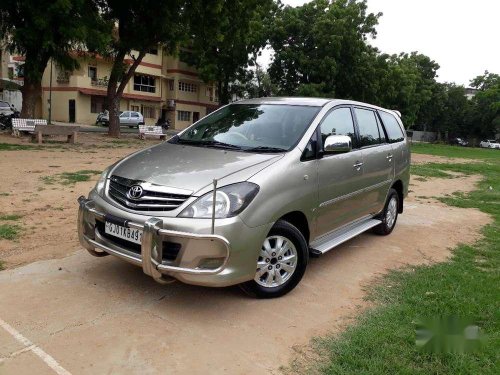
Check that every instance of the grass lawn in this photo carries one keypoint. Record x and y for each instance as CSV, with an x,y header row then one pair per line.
x,y
455,151
382,340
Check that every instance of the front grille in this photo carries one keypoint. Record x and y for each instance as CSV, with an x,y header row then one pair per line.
x,y
151,200
170,249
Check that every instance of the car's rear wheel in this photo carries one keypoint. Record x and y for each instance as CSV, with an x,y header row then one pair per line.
x,y
281,264
389,215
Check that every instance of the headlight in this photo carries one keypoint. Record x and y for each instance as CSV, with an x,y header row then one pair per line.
x,y
101,183
230,200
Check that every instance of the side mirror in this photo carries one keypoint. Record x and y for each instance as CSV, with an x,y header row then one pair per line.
x,y
336,144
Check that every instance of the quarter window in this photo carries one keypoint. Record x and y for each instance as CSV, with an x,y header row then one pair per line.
x,y
368,127
392,127
338,122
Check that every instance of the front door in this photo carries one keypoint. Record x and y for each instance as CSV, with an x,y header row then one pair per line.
x,y
378,160
340,175
72,110
125,118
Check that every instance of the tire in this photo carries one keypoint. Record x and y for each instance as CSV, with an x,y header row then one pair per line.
x,y
389,215
98,254
288,280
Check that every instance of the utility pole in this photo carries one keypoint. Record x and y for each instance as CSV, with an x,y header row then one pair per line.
x,y
50,94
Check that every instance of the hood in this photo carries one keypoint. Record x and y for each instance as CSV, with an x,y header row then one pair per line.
x,y
191,168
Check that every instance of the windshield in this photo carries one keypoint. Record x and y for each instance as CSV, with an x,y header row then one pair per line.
x,y
252,127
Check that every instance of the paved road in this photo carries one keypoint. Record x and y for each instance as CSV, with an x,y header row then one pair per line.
x,y
86,315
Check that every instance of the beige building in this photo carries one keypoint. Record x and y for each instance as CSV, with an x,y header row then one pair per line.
x,y
162,86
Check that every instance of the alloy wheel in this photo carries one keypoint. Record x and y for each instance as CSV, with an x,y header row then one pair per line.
x,y
277,262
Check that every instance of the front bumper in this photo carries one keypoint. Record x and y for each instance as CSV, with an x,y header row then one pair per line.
x,y
204,259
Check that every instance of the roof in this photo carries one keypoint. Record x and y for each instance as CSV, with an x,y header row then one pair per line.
x,y
315,102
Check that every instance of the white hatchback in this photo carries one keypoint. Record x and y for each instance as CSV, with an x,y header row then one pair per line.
x,y
131,119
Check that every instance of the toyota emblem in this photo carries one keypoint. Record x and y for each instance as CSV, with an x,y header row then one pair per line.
x,y
135,192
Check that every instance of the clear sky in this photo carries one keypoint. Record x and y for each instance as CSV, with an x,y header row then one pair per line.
x,y
462,36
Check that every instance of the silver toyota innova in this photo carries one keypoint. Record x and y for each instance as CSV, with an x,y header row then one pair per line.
x,y
247,194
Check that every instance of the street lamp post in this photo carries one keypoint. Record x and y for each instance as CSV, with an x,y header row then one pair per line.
x,y
50,94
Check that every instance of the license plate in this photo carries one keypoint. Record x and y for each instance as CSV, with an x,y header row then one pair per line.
x,y
129,234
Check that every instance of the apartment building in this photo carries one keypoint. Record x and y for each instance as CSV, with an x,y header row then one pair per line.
x,y
161,86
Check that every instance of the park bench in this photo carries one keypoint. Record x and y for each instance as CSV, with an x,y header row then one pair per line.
x,y
25,125
153,130
70,131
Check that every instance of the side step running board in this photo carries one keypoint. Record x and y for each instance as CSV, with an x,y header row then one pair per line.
x,y
328,242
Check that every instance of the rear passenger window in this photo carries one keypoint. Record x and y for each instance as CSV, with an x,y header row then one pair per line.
x,y
368,127
392,127
338,122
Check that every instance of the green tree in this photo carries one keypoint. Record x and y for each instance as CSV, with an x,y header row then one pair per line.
x,y
484,115
139,26
220,50
320,49
41,30
485,81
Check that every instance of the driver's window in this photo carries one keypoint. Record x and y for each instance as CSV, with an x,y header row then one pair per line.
x,y
338,122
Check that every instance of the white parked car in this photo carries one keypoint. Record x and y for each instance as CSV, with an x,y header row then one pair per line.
x,y
490,143
127,118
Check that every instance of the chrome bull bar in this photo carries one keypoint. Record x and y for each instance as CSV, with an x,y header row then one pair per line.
x,y
151,259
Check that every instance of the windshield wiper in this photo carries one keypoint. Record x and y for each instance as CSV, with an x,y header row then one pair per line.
x,y
209,144
265,149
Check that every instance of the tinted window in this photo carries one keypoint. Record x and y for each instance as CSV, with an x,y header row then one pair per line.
x,y
338,122
135,114
125,114
392,127
368,127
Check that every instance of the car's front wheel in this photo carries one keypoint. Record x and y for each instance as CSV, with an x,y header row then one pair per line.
x,y
281,264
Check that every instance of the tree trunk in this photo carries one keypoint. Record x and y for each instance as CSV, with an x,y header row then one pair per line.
x,y
31,92
115,90
114,113
219,89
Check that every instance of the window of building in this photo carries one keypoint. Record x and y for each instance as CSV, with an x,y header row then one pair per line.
x,y
97,104
189,87
144,83
153,51
183,116
368,127
93,73
171,84
134,108
148,112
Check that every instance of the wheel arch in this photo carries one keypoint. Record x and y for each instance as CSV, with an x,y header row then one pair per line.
x,y
299,220
398,186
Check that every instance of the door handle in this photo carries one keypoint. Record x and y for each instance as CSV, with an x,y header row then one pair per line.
x,y
358,165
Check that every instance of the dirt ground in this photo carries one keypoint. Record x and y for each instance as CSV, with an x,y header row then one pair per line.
x,y
101,315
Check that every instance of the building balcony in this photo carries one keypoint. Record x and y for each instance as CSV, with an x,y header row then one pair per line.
x,y
99,82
